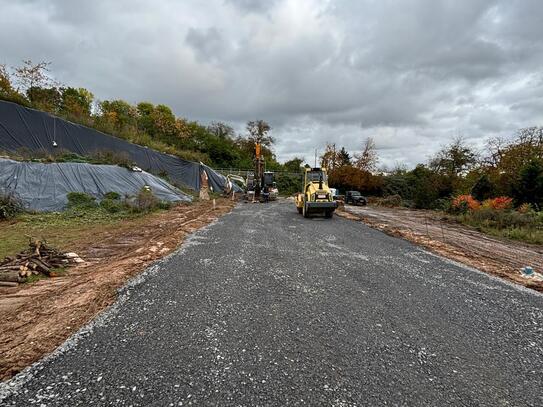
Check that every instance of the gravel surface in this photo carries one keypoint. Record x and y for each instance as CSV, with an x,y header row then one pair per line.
x,y
265,307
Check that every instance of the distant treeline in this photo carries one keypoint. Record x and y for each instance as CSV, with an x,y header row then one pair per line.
x,y
506,168
143,123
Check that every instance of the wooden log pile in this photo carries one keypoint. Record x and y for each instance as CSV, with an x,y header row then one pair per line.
x,y
39,258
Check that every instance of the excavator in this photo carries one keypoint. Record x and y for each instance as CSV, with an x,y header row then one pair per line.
x,y
316,196
259,185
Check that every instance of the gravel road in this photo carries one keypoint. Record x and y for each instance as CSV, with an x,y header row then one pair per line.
x,y
265,307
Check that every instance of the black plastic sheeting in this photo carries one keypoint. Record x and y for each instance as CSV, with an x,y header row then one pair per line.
x,y
43,187
24,128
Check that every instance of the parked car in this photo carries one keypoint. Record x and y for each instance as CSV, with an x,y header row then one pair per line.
x,y
335,193
355,198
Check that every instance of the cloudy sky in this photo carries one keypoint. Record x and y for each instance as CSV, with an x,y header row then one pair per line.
x,y
412,74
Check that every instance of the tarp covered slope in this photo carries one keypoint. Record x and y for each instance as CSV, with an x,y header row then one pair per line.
x,y
24,128
43,187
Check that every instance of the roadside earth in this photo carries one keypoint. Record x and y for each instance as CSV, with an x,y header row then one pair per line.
x,y
500,257
36,318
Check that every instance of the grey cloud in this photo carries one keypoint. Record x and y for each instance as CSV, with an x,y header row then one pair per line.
x,y
411,74
254,6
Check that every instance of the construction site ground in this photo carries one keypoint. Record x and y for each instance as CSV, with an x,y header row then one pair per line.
x,y
267,308
500,257
36,318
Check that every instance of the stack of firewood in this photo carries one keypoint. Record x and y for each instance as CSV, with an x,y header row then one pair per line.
x,y
39,258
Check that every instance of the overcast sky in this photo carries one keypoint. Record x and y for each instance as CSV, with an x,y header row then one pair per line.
x,y
412,74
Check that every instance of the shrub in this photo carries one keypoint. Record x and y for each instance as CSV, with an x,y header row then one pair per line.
x,y
112,205
145,200
80,200
392,201
500,203
441,204
525,208
112,195
502,219
464,203
10,206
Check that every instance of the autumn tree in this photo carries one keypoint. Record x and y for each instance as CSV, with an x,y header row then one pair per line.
x,y
7,90
367,159
31,76
76,102
329,159
352,178
119,114
258,133
5,81
48,99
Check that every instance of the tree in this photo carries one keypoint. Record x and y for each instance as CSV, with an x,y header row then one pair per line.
x,y
455,159
221,130
294,165
483,188
343,157
329,159
48,99
76,102
258,133
428,187
31,76
352,178
7,91
367,160
5,81
119,113
145,120
529,187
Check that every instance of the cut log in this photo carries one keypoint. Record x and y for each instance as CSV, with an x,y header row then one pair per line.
x,y
10,276
9,267
40,265
8,284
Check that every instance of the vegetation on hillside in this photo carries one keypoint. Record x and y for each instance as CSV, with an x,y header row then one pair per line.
x,y
142,123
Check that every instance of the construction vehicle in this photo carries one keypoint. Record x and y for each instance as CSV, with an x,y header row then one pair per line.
x,y
259,186
316,196
270,185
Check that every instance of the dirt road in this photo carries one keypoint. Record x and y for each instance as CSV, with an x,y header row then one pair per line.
x,y
501,257
36,318
264,307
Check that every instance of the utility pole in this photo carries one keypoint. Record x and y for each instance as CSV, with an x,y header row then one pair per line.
x,y
315,166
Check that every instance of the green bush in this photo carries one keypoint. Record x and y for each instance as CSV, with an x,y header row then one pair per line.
x,y
164,205
80,200
10,206
112,195
442,204
113,205
288,184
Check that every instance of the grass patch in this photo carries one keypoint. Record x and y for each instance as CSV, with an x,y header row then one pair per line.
x,y
525,227
34,278
60,229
